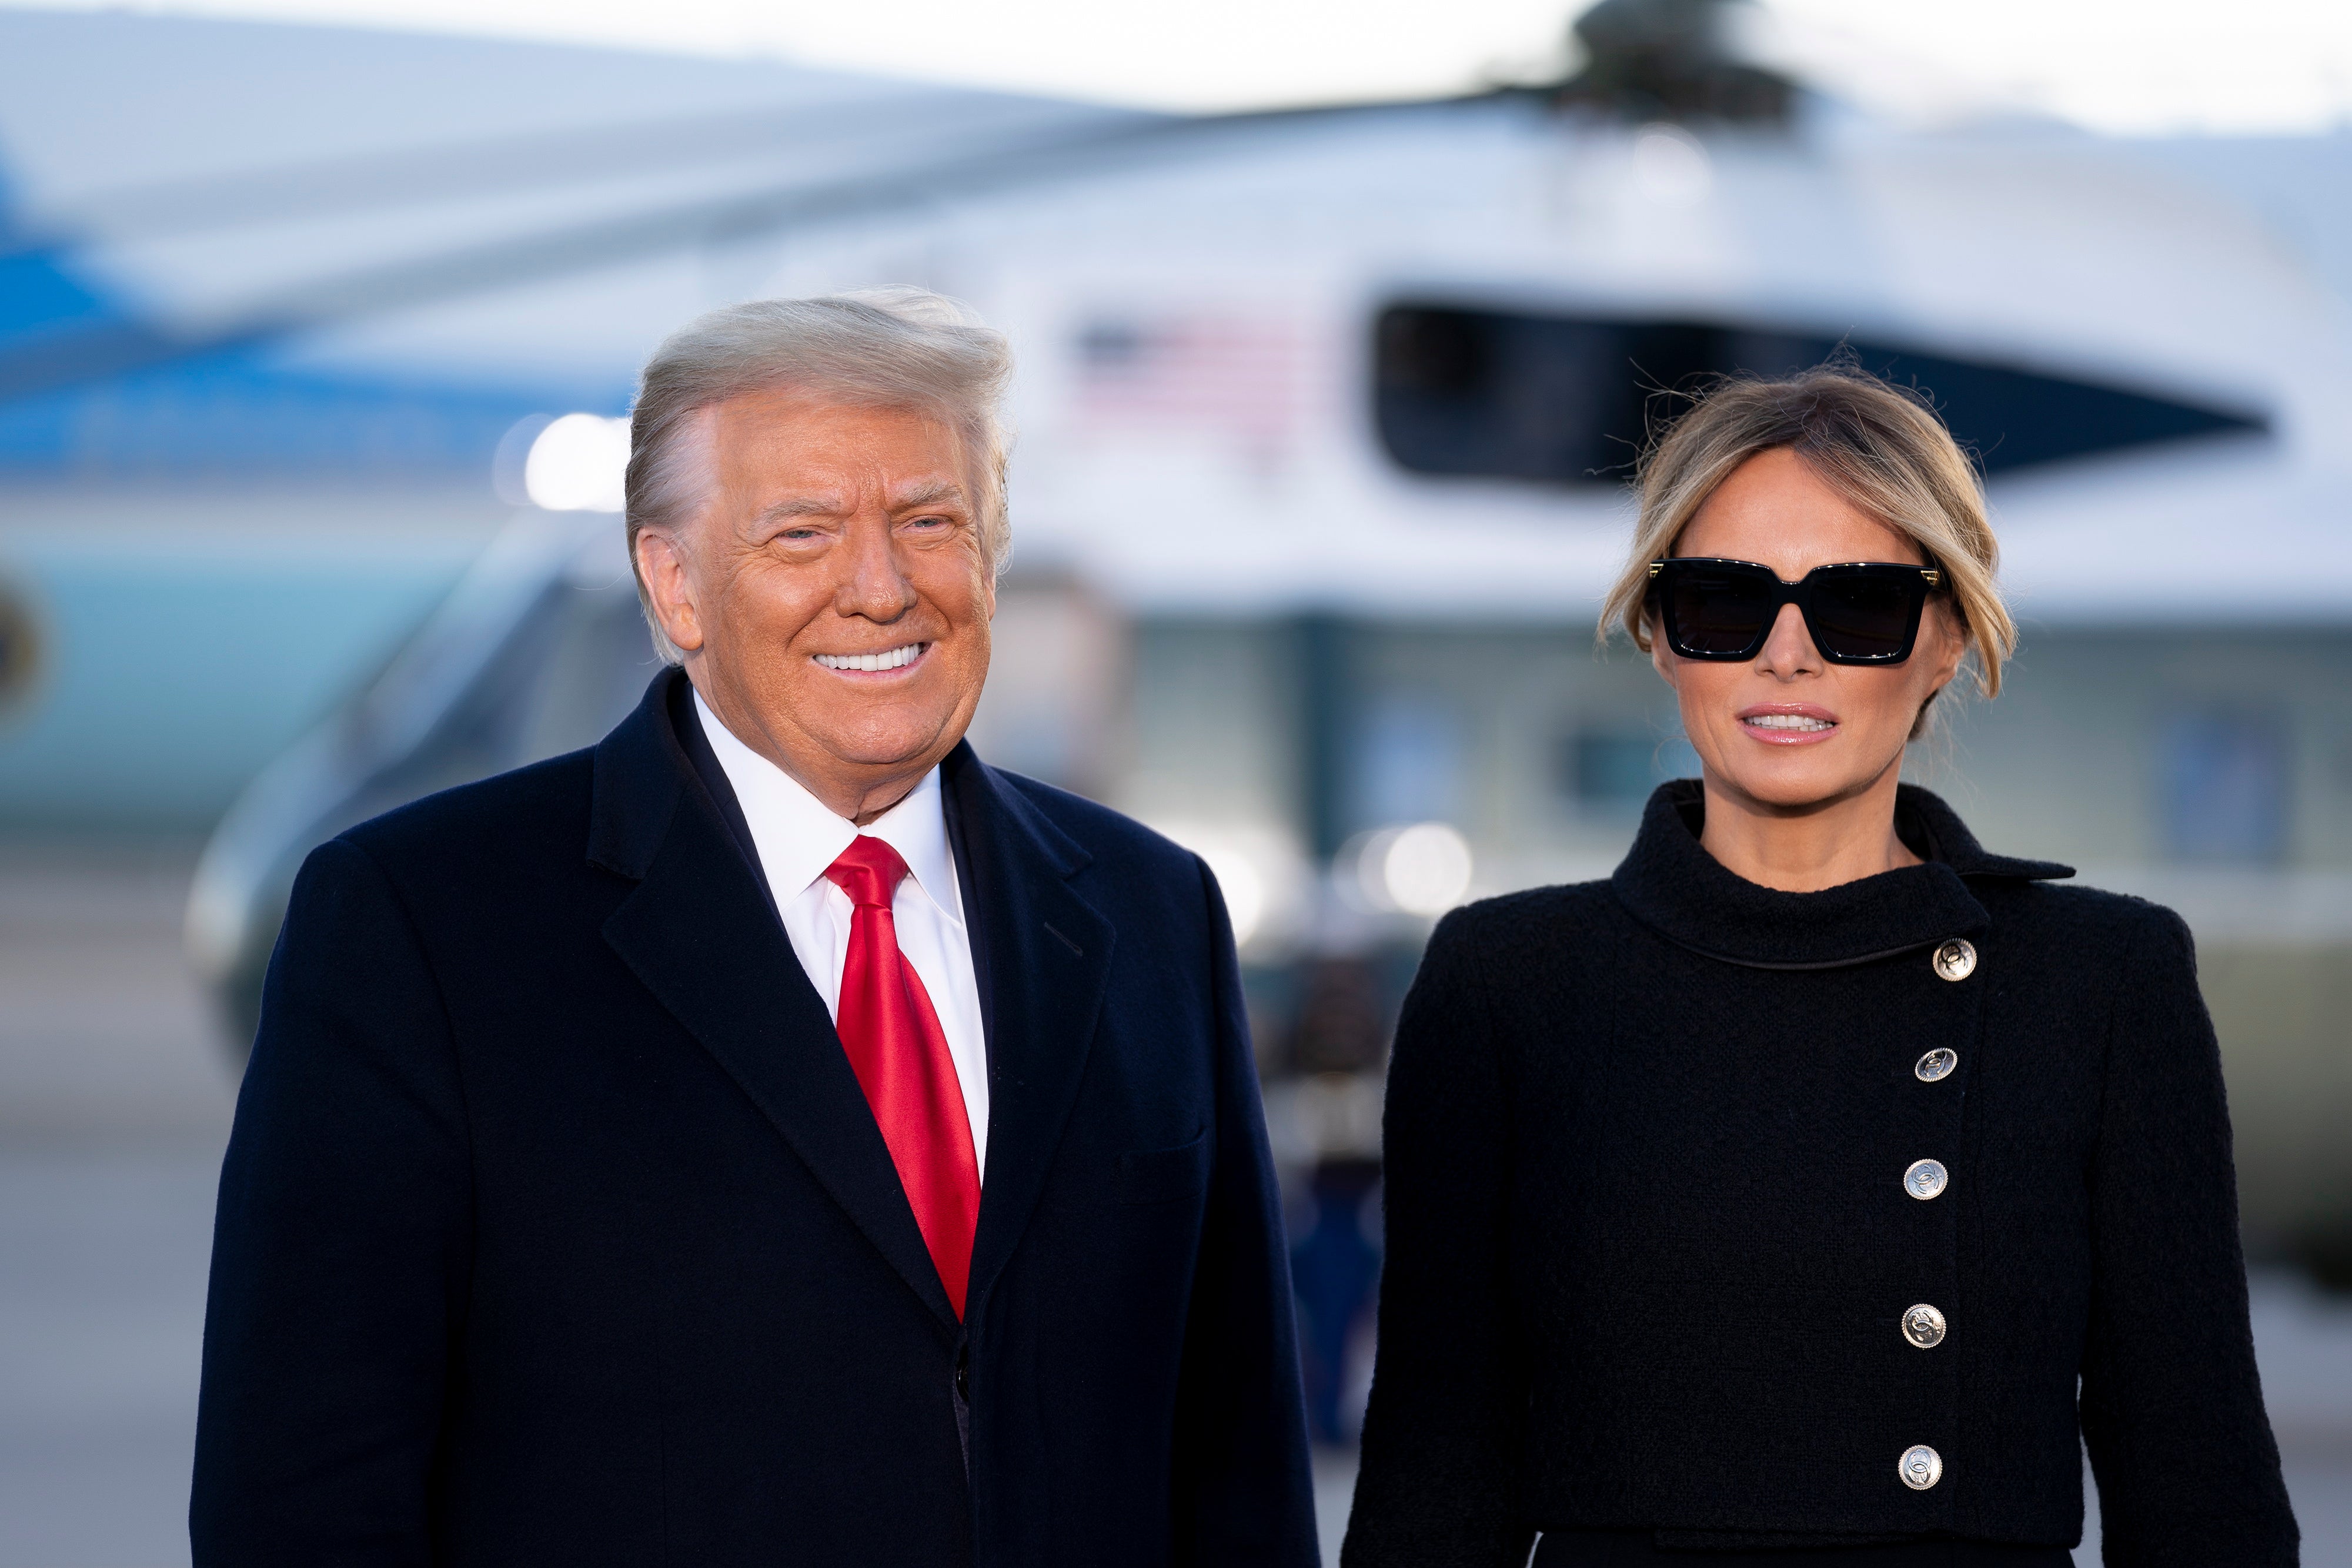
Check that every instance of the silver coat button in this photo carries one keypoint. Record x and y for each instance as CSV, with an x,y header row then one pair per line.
x,y
1957,959
1937,1064
1921,1467
1923,1325
1926,1179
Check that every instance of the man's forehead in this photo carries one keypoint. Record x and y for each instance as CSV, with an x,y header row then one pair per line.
x,y
792,414
829,442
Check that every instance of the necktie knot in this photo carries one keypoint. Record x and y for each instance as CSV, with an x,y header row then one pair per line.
x,y
869,871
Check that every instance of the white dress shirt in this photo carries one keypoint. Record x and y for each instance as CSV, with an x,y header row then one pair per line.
x,y
798,837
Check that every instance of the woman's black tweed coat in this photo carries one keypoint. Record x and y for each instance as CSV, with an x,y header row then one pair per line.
x,y
1649,1244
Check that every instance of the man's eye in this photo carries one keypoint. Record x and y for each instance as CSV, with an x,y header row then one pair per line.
x,y
930,523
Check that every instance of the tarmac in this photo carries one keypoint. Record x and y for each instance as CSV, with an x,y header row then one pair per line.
x,y
115,1097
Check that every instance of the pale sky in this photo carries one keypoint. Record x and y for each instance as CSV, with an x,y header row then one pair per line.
x,y
2129,66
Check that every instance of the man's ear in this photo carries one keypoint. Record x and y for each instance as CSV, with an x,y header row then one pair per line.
x,y
669,589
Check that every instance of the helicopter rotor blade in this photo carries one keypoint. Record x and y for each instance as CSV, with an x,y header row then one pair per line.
x,y
456,170
55,358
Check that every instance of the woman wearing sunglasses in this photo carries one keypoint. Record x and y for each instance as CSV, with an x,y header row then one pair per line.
x,y
1766,1202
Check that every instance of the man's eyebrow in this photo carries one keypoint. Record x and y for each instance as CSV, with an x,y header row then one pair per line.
x,y
929,493
803,507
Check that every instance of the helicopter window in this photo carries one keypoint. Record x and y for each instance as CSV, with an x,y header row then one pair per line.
x,y
1565,400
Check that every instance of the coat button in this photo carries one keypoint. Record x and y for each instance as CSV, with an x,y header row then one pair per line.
x,y
1921,1467
1923,1325
1957,959
1937,1064
963,1376
1926,1179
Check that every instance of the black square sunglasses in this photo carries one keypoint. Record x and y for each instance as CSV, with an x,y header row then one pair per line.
x,y
1861,612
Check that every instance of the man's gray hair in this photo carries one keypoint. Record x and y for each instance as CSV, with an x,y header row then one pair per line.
x,y
877,348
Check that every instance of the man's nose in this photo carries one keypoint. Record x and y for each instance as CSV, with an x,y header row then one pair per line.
x,y
1789,650
873,583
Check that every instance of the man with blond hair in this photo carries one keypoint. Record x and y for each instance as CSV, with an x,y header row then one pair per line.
x,y
772,1136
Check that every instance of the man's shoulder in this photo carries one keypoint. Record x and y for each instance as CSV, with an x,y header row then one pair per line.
x,y
487,826
1112,841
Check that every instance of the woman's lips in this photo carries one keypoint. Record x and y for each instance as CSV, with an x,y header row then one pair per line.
x,y
1789,723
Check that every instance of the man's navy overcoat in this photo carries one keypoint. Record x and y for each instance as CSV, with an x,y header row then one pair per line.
x,y
555,1227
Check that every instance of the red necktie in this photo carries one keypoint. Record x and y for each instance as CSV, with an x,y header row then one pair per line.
x,y
900,1056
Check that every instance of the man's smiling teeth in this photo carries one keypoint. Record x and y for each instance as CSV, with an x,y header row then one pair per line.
x,y
1788,721
892,660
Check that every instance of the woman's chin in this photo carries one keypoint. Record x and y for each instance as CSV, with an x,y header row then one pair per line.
x,y
1797,782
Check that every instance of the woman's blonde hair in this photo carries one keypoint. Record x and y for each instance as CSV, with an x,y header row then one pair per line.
x,y
1880,447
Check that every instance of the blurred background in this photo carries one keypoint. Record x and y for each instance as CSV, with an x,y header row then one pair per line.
x,y
1338,327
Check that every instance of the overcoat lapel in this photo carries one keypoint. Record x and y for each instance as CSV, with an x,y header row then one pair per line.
x,y
1049,956
701,937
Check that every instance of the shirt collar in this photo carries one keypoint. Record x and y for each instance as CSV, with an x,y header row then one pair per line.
x,y
916,827
798,836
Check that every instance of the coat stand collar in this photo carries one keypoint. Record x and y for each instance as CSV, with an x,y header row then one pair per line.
x,y
1671,885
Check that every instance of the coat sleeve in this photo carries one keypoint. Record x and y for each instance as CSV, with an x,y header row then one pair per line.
x,y
1244,1491
340,1250
1443,1439
2171,1402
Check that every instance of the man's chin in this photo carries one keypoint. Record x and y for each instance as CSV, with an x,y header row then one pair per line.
x,y
903,751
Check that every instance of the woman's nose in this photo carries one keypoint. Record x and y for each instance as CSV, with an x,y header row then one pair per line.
x,y
1789,650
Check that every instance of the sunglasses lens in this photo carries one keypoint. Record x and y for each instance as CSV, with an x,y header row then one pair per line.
x,y
1862,617
1719,613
